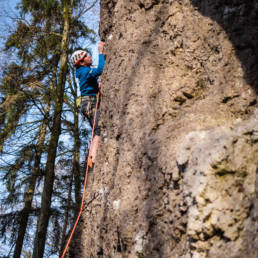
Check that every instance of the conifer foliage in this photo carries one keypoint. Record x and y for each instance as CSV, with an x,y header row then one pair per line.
x,y
40,128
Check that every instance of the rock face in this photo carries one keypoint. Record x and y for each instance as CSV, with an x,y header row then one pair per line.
x,y
177,167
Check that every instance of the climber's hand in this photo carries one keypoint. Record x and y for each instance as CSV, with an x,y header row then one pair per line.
x,y
101,47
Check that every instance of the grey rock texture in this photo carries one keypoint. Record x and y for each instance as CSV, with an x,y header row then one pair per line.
x,y
220,167
177,167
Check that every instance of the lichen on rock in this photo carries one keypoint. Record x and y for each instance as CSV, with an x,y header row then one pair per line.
x,y
218,185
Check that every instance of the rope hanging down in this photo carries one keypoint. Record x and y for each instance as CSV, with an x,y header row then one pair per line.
x,y
84,184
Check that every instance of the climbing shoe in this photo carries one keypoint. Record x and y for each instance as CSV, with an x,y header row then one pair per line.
x,y
90,169
90,163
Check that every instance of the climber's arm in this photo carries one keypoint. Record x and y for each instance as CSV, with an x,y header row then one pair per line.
x,y
98,71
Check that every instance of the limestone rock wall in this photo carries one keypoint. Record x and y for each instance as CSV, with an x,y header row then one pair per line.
x,y
177,166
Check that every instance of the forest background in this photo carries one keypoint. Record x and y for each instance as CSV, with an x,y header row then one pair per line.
x,y
43,140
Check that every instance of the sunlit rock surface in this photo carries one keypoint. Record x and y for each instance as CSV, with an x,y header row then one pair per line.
x,y
177,167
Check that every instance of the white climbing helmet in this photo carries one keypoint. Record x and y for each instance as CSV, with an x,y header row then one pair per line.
x,y
77,56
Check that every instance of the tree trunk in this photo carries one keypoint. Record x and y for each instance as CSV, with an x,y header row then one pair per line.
x,y
66,216
77,144
76,175
42,225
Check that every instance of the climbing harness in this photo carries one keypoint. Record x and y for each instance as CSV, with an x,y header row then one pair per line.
x,y
85,182
90,106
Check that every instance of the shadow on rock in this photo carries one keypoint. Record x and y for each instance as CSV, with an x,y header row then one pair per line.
x,y
239,19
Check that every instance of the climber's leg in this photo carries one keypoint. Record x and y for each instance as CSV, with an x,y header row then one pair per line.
x,y
88,109
94,147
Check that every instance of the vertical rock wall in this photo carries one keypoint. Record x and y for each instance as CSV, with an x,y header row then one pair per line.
x,y
177,166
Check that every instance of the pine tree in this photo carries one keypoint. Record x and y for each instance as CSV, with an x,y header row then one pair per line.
x,y
35,67
28,196
43,220
42,48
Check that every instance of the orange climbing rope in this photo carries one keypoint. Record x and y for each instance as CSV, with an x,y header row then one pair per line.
x,y
84,184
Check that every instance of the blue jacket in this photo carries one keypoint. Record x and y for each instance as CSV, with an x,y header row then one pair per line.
x,y
88,77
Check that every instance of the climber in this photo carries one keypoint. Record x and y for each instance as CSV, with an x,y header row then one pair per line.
x,y
88,78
